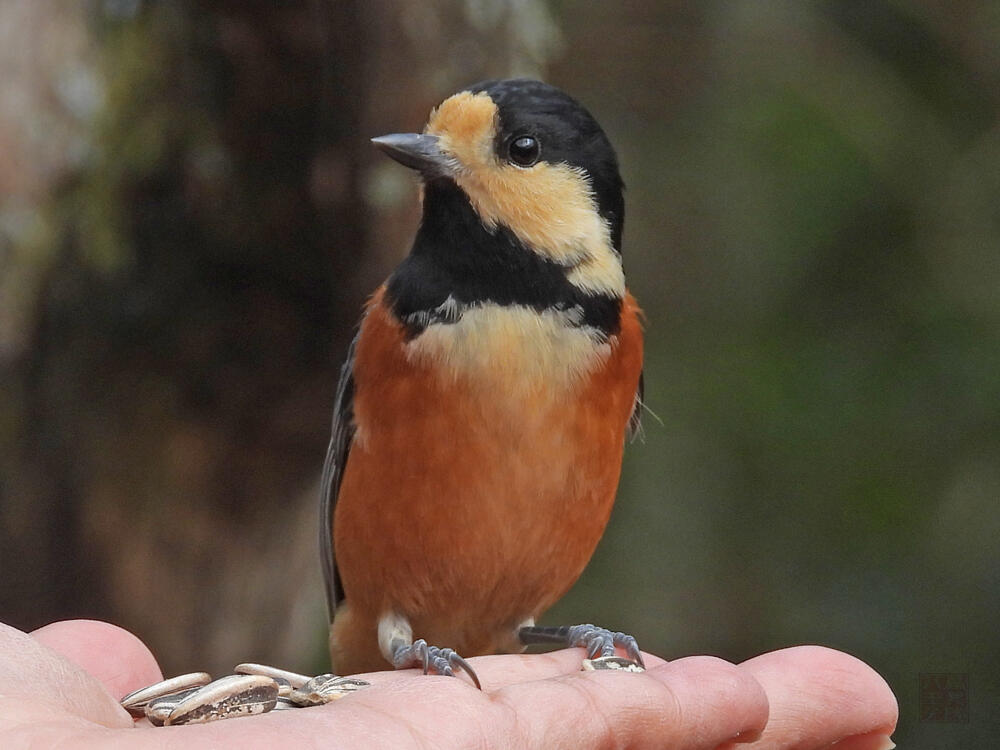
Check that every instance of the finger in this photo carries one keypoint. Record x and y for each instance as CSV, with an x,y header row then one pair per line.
x,y
695,702
699,702
502,670
36,684
113,655
819,696
690,704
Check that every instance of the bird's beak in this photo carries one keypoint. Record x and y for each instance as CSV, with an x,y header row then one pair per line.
x,y
416,151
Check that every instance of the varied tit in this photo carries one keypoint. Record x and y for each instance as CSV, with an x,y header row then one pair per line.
x,y
485,402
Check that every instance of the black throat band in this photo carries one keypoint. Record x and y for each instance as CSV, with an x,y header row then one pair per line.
x,y
456,256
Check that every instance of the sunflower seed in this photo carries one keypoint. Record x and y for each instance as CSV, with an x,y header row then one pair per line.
x,y
236,695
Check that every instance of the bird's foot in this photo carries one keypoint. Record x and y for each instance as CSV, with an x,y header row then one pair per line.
x,y
443,661
395,641
600,644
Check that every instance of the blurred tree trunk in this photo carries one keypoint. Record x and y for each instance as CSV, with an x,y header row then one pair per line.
x,y
170,403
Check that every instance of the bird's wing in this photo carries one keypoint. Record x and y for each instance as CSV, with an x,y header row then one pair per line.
x,y
333,473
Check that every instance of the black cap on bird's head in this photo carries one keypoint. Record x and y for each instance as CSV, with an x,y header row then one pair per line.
x,y
530,159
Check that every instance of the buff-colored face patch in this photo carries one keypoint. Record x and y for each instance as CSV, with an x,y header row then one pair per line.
x,y
550,207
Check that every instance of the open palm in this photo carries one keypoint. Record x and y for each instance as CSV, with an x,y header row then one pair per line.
x,y
59,687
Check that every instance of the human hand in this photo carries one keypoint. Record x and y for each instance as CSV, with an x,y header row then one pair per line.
x,y
59,687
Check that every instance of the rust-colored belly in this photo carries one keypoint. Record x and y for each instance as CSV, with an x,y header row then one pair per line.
x,y
466,505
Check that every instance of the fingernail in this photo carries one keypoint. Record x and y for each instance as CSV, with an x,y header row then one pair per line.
x,y
872,741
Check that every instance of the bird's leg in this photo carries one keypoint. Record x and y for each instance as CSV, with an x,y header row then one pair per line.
x,y
395,640
599,643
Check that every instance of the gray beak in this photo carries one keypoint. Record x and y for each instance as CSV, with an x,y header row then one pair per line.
x,y
416,151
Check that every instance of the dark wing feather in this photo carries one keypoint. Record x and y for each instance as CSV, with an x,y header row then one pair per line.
x,y
333,472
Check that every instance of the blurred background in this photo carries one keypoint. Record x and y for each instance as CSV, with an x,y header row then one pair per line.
x,y
191,217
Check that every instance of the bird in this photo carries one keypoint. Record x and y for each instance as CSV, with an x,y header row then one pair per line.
x,y
485,402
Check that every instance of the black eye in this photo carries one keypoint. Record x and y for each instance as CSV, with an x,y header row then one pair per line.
x,y
524,150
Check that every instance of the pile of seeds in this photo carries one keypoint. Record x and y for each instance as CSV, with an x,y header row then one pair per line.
x,y
255,689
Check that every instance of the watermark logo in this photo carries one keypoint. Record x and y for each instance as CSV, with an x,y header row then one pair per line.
x,y
944,698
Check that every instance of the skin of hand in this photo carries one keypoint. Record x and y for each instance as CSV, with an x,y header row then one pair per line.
x,y
59,687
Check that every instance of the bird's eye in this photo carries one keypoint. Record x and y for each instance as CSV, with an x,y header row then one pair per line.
x,y
524,150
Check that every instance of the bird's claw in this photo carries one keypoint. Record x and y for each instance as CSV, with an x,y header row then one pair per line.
x,y
443,661
600,643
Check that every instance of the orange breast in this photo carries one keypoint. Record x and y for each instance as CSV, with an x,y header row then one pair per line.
x,y
470,502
